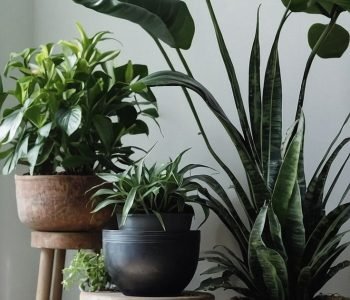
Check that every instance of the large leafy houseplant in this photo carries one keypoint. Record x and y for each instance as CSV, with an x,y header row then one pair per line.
x,y
289,243
72,108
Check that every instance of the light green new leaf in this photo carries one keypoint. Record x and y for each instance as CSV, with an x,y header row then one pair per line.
x,y
69,119
167,20
335,44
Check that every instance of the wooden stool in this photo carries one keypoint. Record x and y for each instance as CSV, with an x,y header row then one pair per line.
x,y
53,247
119,296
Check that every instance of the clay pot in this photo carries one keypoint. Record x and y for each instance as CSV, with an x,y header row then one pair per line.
x,y
58,203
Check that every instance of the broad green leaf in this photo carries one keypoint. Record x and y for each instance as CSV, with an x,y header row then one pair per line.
x,y
69,119
34,152
104,128
10,125
335,44
167,20
287,176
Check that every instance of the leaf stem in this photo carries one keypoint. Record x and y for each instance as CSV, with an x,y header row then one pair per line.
x,y
334,16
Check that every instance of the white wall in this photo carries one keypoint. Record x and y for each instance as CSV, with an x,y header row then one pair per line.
x,y
326,105
18,262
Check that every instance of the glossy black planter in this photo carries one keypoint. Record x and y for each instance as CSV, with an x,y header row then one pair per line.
x,y
151,264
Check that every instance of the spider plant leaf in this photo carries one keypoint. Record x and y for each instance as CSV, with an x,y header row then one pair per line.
x,y
335,44
255,90
287,176
167,20
106,203
129,202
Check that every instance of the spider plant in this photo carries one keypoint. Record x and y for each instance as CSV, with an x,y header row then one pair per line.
x,y
288,243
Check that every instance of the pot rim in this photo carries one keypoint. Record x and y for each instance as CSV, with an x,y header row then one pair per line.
x,y
51,177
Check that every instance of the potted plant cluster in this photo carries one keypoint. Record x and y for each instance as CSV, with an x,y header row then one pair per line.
x,y
154,253
72,110
289,245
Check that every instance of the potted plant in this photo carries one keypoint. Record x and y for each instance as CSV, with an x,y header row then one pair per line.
x,y
289,245
71,112
154,252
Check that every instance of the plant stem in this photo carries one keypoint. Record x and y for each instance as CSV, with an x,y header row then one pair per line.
x,y
334,16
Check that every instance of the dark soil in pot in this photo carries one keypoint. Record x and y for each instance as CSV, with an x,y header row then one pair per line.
x,y
151,264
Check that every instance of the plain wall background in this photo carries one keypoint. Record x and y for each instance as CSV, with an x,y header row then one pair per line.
x,y
327,102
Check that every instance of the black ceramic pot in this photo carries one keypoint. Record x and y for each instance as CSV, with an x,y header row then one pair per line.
x,y
151,264
144,222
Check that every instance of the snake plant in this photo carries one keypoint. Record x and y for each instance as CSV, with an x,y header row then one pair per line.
x,y
288,243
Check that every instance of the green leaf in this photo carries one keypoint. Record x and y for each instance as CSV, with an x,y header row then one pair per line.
x,y
167,20
129,202
335,44
69,119
104,127
255,90
287,176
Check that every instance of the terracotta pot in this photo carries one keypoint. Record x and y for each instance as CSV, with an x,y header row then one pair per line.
x,y
58,203
331,297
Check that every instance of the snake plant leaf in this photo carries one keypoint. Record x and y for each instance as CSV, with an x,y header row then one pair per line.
x,y
266,265
276,233
294,231
271,124
319,270
231,223
167,20
170,78
303,283
333,220
230,69
312,206
287,176
335,44
255,90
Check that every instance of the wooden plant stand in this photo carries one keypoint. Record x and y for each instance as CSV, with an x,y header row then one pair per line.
x,y
53,247
119,296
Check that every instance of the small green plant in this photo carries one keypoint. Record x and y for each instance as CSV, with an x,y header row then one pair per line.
x,y
88,271
72,108
154,190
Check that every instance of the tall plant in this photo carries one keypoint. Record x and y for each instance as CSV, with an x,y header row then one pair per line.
x,y
289,245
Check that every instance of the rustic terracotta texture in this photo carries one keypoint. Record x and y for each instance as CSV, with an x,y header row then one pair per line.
x,y
67,240
58,203
119,296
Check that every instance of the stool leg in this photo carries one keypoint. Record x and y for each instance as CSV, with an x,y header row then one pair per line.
x,y
60,258
45,274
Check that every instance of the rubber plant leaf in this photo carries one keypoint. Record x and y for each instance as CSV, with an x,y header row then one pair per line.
x,y
334,45
167,20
